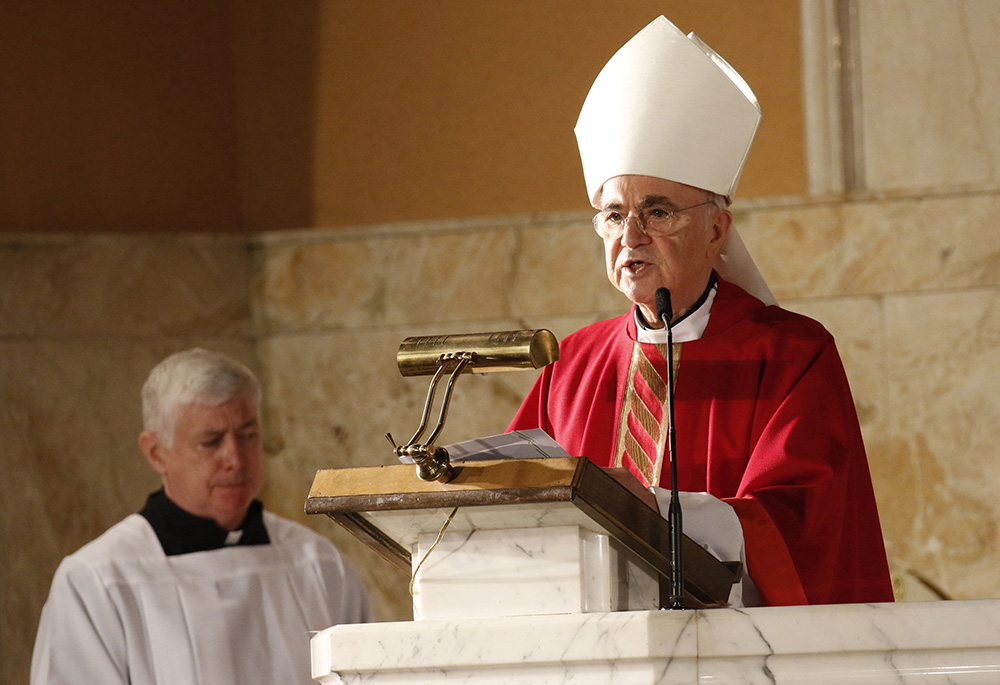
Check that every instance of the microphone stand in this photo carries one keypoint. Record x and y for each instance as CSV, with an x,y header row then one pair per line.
x,y
674,514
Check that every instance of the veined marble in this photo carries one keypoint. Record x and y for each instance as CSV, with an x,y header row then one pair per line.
x,y
933,642
549,570
930,88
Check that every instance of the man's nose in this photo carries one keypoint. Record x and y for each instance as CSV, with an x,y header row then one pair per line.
x,y
633,233
230,452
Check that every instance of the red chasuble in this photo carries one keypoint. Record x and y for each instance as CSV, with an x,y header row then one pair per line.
x,y
765,422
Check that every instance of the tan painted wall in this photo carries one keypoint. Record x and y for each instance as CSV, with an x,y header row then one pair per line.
x,y
243,116
468,109
117,116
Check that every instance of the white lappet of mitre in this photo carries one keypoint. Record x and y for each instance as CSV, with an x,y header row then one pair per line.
x,y
667,105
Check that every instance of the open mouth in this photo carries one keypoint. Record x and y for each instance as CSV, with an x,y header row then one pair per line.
x,y
634,265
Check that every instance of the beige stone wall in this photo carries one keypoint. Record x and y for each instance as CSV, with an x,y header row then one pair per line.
x,y
908,285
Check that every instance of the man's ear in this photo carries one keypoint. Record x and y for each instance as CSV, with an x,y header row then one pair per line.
x,y
720,230
151,446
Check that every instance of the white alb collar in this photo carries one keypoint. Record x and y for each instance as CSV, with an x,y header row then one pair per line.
x,y
691,327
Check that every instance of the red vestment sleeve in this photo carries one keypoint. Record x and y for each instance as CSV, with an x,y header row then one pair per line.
x,y
769,563
806,493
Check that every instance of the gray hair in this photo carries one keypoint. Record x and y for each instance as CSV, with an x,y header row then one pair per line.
x,y
716,202
720,201
188,377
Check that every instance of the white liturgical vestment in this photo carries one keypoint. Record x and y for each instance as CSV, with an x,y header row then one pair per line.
x,y
121,611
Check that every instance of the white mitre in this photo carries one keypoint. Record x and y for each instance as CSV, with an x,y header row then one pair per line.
x,y
667,105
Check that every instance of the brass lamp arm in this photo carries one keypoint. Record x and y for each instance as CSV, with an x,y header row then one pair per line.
x,y
427,404
464,359
432,462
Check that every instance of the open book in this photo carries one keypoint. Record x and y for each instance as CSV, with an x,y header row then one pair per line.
x,y
527,444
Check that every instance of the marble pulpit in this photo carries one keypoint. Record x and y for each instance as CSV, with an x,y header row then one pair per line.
x,y
549,571
933,642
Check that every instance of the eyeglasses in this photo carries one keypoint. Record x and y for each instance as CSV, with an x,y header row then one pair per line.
x,y
653,221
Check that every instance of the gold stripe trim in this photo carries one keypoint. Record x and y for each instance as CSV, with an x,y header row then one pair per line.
x,y
645,418
650,466
626,403
661,445
639,457
656,383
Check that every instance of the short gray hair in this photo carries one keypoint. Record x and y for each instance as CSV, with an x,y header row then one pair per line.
x,y
715,202
188,377
720,201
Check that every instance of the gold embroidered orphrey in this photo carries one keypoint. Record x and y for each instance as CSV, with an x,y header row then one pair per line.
x,y
645,371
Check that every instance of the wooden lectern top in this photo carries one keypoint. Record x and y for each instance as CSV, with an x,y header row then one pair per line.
x,y
387,507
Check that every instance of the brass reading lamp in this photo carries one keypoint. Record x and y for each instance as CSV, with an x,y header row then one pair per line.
x,y
474,352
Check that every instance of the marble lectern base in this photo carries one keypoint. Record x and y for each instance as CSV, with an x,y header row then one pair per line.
x,y
934,642
482,573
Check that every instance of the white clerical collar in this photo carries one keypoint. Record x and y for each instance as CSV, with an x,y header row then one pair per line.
x,y
691,326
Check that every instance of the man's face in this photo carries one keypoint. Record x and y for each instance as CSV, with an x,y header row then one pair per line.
x,y
681,260
213,469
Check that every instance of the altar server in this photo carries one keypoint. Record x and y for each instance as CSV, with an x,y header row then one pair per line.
x,y
201,586
765,422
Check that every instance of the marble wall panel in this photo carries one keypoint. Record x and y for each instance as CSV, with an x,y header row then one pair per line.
x,y
785,241
560,270
332,396
930,90
357,279
874,245
943,370
434,272
920,244
121,286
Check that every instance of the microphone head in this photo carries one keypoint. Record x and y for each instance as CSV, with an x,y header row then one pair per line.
x,y
663,310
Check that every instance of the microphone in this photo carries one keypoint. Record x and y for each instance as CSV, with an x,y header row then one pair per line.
x,y
664,312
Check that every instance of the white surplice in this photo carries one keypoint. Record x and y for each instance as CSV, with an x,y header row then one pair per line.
x,y
121,611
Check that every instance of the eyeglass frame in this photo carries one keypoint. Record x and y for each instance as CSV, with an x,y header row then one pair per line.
x,y
671,215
